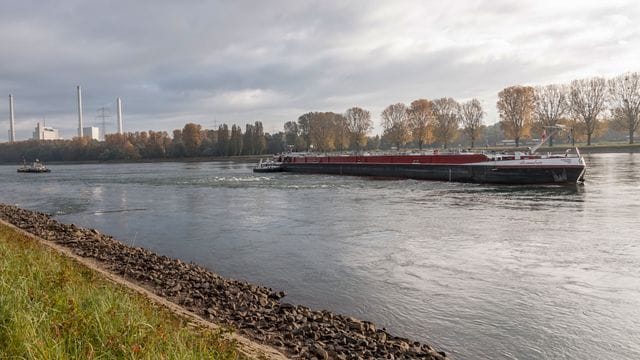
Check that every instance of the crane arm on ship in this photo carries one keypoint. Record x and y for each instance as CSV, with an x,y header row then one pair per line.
x,y
554,130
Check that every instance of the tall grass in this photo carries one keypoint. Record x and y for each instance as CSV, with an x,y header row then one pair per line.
x,y
54,308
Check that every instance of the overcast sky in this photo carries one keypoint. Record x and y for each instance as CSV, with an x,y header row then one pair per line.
x,y
210,62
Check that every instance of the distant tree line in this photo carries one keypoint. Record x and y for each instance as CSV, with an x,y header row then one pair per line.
x,y
588,106
328,131
423,122
190,141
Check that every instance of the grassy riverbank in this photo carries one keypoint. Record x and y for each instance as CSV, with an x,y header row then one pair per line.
x,y
52,308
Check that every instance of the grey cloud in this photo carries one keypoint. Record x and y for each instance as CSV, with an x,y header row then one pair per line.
x,y
242,61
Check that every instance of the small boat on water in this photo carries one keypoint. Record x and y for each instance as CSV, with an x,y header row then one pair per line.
x,y
268,166
518,167
35,167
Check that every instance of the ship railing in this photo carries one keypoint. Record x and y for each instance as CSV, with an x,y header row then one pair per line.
x,y
382,153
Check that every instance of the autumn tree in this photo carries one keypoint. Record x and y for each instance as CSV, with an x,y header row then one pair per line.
x,y
588,98
471,115
157,144
446,120
551,103
421,121
625,101
516,105
192,138
140,141
322,130
118,146
395,124
360,124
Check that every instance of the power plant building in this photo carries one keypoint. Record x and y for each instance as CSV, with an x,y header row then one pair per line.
x,y
45,133
92,132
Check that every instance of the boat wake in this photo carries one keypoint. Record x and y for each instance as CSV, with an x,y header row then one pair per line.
x,y
99,212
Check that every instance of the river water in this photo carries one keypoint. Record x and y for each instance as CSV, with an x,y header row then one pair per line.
x,y
479,271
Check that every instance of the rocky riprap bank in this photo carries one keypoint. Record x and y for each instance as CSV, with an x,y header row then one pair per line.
x,y
254,310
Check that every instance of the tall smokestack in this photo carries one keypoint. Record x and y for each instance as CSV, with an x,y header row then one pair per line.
x,y
79,112
12,125
119,102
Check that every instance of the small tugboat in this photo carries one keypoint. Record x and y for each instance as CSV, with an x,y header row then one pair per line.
x,y
269,166
35,167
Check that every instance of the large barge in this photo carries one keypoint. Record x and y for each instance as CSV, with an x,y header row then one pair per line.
x,y
517,168
461,166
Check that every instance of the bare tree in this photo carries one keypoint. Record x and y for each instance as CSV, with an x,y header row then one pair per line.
x,y
625,99
446,119
515,106
359,125
421,121
551,104
395,124
588,99
471,115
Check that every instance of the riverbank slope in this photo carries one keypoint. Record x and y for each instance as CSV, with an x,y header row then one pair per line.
x,y
255,311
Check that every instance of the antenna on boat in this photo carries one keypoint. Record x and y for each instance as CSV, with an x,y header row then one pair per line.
x,y
554,130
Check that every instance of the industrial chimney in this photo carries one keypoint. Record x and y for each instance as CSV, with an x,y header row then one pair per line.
x,y
79,112
12,125
119,106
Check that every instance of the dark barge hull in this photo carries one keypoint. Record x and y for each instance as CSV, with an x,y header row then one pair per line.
x,y
34,170
272,169
443,172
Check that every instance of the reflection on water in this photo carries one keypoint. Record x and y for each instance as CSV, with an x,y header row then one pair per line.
x,y
480,271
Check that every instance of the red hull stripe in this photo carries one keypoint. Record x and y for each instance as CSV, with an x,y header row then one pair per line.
x,y
387,159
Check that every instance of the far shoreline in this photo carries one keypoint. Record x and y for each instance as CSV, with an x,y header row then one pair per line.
x,y
584,149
